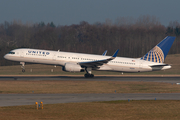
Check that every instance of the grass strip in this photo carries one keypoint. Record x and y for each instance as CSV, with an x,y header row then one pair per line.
x,y
111,110
80,86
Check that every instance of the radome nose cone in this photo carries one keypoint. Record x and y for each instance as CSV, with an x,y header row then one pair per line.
x,y
5,56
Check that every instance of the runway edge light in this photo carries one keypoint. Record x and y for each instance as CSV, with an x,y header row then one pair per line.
x,y
36,104
41,105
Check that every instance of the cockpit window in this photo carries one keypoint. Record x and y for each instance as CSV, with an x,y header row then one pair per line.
x,y
11,53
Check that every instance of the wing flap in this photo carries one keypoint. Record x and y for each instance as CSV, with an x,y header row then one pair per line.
x,y
95,64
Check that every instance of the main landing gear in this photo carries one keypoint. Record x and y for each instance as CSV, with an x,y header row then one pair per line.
x,y
88,73
23,66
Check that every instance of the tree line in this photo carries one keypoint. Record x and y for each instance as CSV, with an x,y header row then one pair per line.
x,y
133,39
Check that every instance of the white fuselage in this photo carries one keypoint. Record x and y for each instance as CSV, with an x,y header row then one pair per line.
x,y
60,58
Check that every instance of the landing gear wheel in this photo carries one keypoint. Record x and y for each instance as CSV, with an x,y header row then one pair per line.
x,y
88,75
91,75
23,70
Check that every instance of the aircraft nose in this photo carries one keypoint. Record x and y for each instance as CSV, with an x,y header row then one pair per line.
x,y
5,56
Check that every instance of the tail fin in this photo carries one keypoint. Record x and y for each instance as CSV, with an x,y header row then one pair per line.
x,y
160,51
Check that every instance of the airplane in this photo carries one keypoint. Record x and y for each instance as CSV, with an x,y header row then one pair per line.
x,y
79,62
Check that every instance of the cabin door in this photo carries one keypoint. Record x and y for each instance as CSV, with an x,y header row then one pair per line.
x,y
54,57
141,64
22,53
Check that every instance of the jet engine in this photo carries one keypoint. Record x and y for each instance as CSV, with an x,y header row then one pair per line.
x,y
72,67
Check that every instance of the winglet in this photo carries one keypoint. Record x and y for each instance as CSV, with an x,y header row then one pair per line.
x,y
95,64
104,54
115,54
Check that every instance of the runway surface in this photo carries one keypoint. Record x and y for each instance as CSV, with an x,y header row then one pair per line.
x,y
30,99
167,79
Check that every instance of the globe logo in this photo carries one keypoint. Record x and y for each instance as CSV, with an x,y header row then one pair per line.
x,y
154,55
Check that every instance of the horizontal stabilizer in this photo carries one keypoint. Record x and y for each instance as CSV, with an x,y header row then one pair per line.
x,y
159,65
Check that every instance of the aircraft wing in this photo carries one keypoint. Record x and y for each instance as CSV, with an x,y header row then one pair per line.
x,y
95,64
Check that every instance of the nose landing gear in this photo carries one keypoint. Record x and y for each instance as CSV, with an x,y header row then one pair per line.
x,y
23,66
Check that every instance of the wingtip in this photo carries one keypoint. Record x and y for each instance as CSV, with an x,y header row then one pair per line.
x,y
104,54
115,54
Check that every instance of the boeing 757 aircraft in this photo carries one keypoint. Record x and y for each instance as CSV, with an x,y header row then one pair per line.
x,y
78,62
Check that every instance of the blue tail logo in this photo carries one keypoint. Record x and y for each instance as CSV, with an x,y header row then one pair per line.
x,y
160,51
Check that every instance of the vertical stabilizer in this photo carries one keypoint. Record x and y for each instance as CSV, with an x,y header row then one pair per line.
x,y
160,51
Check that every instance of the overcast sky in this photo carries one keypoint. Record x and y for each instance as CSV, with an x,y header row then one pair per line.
x,y
67,12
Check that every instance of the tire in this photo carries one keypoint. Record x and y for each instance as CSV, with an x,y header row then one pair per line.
x,y
86,75
91,75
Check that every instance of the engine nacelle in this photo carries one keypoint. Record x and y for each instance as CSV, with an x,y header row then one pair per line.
x,y
72,67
